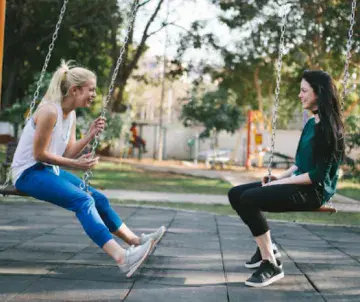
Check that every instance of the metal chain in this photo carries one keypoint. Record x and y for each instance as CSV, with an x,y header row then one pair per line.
x,y
39,82
47,59
346,76
277,89
348,56
87,175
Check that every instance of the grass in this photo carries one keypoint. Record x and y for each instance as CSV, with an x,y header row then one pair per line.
x,y
126,177
339,218
349,188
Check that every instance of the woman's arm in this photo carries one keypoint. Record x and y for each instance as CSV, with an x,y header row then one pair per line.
x,y
288,172
45,121
74,147
302,179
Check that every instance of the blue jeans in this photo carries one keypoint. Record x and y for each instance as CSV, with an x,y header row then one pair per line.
x,y
93,211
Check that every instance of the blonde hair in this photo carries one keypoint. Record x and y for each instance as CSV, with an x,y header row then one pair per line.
x,y
64,77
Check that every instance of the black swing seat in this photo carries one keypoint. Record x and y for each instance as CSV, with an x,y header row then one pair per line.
x,y
11,190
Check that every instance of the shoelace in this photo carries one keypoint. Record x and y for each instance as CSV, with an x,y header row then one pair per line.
x,y
261,269
131,248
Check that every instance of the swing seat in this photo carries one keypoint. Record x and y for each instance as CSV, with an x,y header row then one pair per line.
x,y
326,209
11,191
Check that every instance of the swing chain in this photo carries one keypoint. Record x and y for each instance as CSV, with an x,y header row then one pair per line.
x,y
47,59
87,175
348,55
277,89
346,66
39,82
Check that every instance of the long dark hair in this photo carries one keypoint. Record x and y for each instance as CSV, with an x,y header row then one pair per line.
x,y
328,142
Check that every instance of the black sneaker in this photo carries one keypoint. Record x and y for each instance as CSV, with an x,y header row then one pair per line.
x,y
265,275
256,259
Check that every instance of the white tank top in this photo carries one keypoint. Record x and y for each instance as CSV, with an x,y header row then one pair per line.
x,y
24,154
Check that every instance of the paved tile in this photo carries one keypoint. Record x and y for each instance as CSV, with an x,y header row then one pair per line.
x,y
47,256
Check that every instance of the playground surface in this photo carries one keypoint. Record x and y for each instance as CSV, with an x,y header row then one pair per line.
x,y
45,256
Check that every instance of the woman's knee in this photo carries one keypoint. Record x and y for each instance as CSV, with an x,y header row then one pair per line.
x,y
245,201
101,201
84,203
235,194
232,196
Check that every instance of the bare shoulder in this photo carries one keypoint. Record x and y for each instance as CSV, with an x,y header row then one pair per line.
x,y
47,113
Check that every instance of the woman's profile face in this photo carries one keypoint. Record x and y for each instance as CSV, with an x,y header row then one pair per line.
x,y
307,96
86,94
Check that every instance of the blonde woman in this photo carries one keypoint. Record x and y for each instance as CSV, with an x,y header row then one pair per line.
x,y
48,141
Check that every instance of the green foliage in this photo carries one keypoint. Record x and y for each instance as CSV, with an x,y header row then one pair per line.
x,y
215,109
352,125
15,115
84,36
316,35
114,123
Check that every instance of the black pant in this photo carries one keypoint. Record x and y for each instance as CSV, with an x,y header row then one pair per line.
x,y
250,199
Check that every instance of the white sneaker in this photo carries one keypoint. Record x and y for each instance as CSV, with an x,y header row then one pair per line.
x,y
135,256
156,236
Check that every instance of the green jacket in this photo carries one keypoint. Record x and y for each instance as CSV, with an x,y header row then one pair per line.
x,y
321,173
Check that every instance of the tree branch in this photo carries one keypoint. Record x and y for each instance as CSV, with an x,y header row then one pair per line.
x,y
144,3
159,29
144,37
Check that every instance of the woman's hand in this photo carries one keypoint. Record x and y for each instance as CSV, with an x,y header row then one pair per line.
x,y
97,126
265,179
86,162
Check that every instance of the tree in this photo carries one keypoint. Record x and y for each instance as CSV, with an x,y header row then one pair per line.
x,y
213,110
316,34
132,51
85,36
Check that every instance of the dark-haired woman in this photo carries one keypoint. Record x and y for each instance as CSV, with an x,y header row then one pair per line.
x,y
303,187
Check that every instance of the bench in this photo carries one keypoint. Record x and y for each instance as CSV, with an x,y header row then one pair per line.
x,y
285,160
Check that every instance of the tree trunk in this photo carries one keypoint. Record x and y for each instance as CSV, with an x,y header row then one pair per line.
x,y
10,83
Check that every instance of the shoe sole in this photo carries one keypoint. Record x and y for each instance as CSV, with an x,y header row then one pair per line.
x,y
257,264
268,282
137,265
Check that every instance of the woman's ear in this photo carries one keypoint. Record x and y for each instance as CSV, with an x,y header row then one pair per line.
x,y
72,91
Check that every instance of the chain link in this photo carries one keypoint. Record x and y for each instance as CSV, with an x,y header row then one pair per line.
x,y
277,89
47,59
348,56
39,82
346,76
87,175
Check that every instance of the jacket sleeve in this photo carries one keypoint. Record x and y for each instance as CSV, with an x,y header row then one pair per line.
x,y
322,169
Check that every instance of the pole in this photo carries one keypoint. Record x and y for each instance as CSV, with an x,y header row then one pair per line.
x,y
2,31
161,121
248,145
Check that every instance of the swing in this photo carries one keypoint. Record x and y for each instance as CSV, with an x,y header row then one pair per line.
x,y
8,189
327,207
